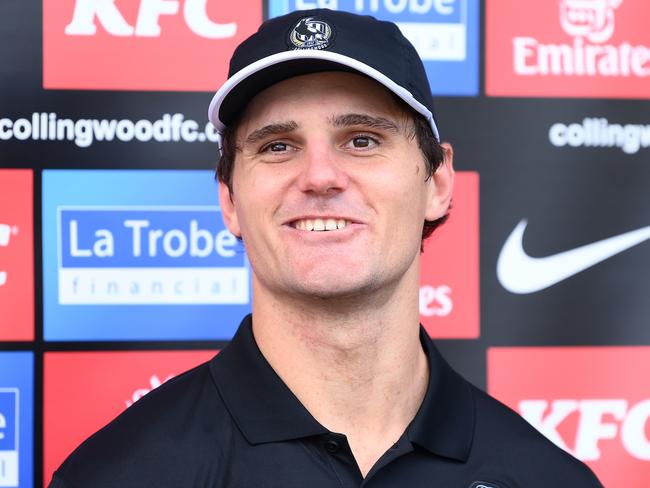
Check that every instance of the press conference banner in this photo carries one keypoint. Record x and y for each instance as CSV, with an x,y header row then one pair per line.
x,y
117,273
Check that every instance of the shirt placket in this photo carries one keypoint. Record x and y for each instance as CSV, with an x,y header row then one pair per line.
x,y
339,455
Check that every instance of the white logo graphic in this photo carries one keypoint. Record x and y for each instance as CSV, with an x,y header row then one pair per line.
x,y
311,34
598,420
520,273
148,20
154,382
5,232
593,19
9,446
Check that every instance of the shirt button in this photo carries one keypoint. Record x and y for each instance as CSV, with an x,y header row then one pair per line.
x,y
332,446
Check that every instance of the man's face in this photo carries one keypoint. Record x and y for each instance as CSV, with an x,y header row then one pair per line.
x,y
329,188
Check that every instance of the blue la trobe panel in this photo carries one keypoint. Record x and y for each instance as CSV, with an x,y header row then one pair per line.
x,y
16,419
444,32
139,255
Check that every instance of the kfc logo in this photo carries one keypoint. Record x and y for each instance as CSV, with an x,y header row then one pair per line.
x,y
163,43
626,422
590,401
449,268
593,19
86,390
603,41
16,255
106,13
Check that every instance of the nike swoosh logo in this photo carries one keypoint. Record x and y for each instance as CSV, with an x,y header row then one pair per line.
x,y
520,273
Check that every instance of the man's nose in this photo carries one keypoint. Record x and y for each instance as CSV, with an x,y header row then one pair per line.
x,y
322,171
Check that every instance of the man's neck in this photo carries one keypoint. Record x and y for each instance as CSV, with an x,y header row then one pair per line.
x,y
359,370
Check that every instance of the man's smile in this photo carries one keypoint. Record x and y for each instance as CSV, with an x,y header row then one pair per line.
x,y
320,224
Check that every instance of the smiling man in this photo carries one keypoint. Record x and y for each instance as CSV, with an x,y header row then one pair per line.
x,y
331,173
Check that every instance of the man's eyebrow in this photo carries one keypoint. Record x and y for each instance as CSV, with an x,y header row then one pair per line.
x,y
347,120
271,129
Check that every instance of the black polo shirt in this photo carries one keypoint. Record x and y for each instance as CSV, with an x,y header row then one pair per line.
x,y
232,422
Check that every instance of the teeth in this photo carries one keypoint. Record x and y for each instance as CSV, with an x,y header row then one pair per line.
x,y
320,224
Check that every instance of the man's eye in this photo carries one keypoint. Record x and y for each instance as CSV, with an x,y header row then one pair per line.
x,y
275,147
363,142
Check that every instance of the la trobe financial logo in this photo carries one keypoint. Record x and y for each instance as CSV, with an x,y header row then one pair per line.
x,y
568,48
129,263
170,45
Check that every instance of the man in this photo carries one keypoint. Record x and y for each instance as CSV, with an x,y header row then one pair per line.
x,y
332,174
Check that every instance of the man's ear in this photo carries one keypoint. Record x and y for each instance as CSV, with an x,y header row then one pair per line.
x,y
228,212
441,186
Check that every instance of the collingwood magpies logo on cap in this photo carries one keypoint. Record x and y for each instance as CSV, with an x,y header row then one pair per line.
x,y
484,484
310,33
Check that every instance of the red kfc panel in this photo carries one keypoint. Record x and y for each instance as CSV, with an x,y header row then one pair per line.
x,y
449,274
594,402
83,391
143,44
568,48
16,255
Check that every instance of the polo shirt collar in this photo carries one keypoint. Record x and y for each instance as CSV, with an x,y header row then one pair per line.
x,y
444,424
262,406
265,409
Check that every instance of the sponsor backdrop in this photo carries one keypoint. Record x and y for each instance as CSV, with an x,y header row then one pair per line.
x,y
117,273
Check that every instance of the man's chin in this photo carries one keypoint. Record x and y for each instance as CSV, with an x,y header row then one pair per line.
x,y
338,289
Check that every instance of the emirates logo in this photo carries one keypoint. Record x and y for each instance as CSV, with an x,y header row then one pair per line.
x,y
591,19
590,23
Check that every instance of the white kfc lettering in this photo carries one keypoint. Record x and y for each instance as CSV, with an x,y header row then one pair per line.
x,y
598,420
106,13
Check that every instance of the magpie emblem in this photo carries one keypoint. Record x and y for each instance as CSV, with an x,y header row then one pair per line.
x,y
484,484
310,33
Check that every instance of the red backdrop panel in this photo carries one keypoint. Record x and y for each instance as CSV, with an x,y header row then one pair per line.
x,y
568,48
592,401
449,276
83,391
16,255
142,45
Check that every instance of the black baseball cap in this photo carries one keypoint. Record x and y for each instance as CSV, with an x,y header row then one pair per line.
x,y
312,41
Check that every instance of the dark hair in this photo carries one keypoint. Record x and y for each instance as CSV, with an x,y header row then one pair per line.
x,y
431,150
